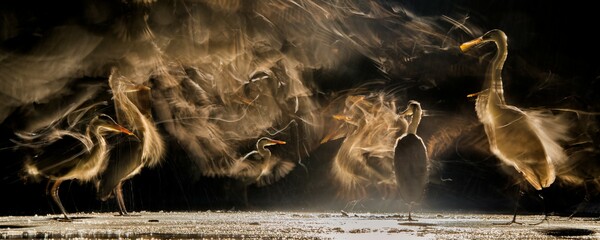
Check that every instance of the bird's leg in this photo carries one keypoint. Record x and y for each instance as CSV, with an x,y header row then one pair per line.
x,y
581,205
56,198
410,212
245,195
119,196
49,186
541,195
514,219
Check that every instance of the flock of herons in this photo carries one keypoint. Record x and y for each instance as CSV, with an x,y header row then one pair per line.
x,y
518,138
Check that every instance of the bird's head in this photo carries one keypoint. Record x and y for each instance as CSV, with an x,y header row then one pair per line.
x,y
104,122
494,35
411,108
265,142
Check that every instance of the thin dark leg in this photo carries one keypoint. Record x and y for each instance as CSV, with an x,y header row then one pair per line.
x,y
119,196
585,201
54,194
541,195
410,212
518,198
245,195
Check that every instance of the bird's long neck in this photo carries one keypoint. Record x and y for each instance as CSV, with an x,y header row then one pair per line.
x,y
98,152
95,134
130,116
416,120
494,72
402,126
263,151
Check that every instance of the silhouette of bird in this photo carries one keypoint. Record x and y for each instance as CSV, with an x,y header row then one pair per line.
x,y
70,155
411,163
130,155
528,140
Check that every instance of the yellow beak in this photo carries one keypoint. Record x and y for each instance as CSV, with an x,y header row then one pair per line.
x,y
470,44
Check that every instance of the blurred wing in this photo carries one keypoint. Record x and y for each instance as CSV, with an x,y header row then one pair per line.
x,y
247,166
279,171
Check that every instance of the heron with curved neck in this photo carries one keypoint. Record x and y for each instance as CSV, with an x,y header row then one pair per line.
x,y
263,163
259,166
527,140
57,163
411,163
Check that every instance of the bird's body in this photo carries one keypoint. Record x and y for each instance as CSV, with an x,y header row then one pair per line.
x,y
513,128
73,156
527,140
411,167
411,163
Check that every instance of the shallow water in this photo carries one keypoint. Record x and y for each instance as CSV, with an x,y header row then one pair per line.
x,y
293,225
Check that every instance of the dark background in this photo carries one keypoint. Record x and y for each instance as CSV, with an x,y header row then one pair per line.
x,y
546,38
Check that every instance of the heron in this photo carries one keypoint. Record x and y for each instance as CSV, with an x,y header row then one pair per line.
x,y
131,155
260,167
73,156
528,140
411,163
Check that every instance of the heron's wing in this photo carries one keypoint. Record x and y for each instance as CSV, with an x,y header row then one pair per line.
x,y
57,158
515,138
56,56
247,166
553,131
280,170
141,97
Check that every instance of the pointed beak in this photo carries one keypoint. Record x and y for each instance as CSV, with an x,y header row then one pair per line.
x,y
470,44
329,136
407,112
273,141
245,100
124,130
341,117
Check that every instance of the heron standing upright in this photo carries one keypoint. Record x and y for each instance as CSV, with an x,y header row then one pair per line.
x,y
527,140
72,156
133,109
411,163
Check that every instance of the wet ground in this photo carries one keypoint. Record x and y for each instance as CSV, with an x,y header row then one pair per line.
x,y
294,225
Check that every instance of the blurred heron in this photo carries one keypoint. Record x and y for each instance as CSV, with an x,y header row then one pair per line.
x,y
363,164
73,156
131,155
527,140
411,163
260,167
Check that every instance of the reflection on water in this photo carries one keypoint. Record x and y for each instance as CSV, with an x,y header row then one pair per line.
x,y
567,232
